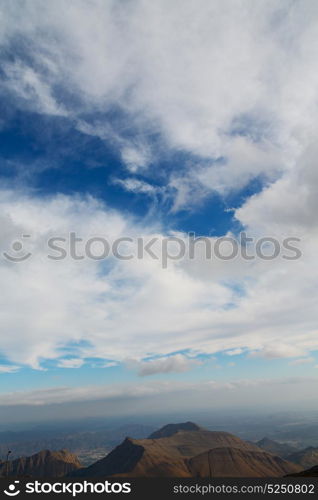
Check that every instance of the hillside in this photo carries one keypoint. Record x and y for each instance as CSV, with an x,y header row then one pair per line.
x,y
313,472
234,462
43,464
89,444
306,458
276,448
184,454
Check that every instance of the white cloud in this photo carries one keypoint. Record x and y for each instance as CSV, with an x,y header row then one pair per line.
x,y
9,369
171,364
110,364
70,363
210,80
136,156
302,361
136,186
277,350
235,352
288,205
135,309
234,86
55,304
29,86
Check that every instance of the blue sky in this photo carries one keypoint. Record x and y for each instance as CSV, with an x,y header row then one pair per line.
x,y
217,368
50,156
115,124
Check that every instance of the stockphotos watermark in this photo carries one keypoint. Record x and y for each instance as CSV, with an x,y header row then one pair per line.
x,y
71,488
163,249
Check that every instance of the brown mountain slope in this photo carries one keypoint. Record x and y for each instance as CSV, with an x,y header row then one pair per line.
x,y
43,464
163,457
190,443
280,449
306,458
235,462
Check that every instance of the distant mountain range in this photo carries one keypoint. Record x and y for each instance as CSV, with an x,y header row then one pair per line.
x,y
176,450
306,458
312,472
43,464
88,445
187,450
283,450
170,429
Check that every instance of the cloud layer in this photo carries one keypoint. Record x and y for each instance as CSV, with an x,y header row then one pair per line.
x,y
117,309
163,397
231,84
222,81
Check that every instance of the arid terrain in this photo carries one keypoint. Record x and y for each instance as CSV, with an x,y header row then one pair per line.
x,y
175,450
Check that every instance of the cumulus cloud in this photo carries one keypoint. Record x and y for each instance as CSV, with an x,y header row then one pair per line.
x,y
289,205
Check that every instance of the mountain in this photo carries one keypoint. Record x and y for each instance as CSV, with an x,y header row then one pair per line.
x,y
306,458
43,464
89,444
185,453
234,462
276,448
313,472
170,429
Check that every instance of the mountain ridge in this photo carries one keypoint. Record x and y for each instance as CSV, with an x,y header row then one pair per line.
x,y
275,447
306,458
185,453
170,429
45,463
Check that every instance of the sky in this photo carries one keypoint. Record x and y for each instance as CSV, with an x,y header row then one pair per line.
x,y
142,120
